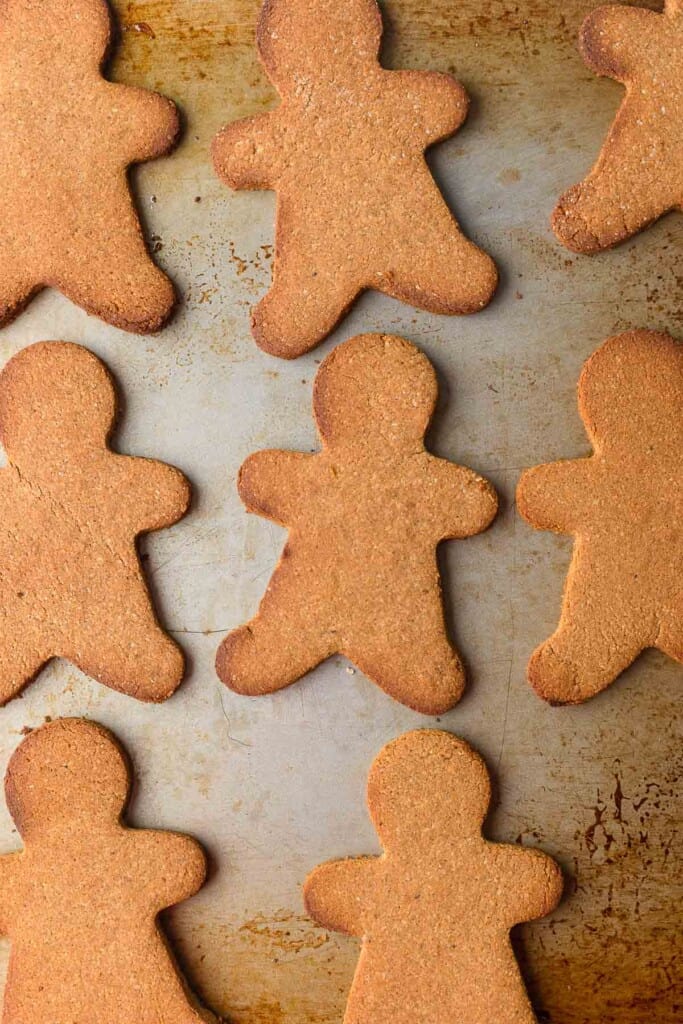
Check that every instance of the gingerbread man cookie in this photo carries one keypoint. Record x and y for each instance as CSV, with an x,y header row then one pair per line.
x,y
639,174
624,505
71,584
358,575
357,205
80,904
436,909
67,137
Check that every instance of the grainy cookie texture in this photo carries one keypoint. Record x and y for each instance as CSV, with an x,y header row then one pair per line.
x,y
80,902
67,137
357,205
639,174
436,909
71,584
359,575
624,505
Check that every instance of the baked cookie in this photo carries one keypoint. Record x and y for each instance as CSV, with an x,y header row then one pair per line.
x,y
67,137
624,505
71,584
80,904
639,174
357,205
358,575
436,909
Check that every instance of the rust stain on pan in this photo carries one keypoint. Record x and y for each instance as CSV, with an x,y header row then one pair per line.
x,y
613,952
272,968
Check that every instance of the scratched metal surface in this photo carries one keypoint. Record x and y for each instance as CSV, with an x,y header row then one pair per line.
x,y
273,786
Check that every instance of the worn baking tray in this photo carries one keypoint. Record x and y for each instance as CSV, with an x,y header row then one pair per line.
x,y
274,785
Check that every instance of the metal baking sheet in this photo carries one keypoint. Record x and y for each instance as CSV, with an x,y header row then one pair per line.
x,y
273,786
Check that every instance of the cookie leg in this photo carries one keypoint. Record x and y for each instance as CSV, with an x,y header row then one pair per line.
x,y
303,306
284,641
121,286
615,201
135,658
584,655
442,272
269,653
413,664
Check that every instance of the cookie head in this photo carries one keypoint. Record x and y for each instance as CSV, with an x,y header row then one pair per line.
x,y
374,387
79,30
70,771
300,40
630,390
56,398
427,786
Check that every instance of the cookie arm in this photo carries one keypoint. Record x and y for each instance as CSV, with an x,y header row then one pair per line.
x,y
339,894
172,866
273,484
434,103
553,496
248,153
146,123
158,495
531,883
611,39
464,502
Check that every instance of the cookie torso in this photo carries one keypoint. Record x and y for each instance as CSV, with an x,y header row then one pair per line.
x,y
60,196
460,964
63,538
363,548
368,197
644,492
111,984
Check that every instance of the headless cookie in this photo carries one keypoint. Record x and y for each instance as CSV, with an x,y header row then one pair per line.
x,y
639,174
67,137
71,584
435,910
357,205
624,505
80,903
358,575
